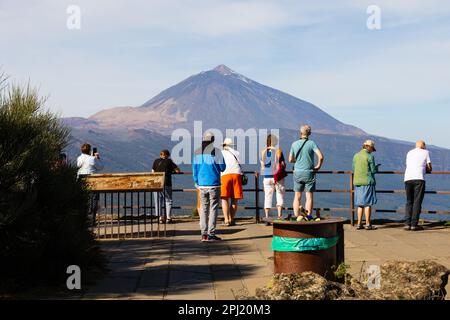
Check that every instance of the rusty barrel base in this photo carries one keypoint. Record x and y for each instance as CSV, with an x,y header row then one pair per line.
x,y
319,261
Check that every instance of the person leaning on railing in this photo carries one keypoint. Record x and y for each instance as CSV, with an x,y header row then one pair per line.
x,y
166,165
364,170
417,164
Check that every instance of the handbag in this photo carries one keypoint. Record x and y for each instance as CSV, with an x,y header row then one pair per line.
x,y
243,175
281,173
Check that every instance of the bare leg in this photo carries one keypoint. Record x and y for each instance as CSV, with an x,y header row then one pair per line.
x,y
280,212
266,211
297,202
309,202
368,212
360,214
233,209
226,210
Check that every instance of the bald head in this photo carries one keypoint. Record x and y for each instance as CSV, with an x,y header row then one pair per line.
x,y
420,144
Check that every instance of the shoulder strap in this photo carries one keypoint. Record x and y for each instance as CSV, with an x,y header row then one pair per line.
x,y
300,150
235,158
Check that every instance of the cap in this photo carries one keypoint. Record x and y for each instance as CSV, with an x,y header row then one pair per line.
x,y
370,143
228,142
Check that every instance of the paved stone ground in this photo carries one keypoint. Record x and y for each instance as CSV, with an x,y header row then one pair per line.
x,y
182,267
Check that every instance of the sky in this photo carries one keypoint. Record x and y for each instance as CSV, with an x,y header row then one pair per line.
x,y
393,81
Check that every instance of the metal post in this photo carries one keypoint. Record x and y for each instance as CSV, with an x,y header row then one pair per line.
x,y
352,201
257,196
145,214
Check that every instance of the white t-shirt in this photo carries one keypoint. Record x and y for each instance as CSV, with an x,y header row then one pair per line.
x,y
88,164
232,166
416,164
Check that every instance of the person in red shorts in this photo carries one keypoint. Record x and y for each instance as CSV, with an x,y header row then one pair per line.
x,y
231,182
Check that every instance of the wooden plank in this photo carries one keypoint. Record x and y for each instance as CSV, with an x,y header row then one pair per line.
x,y
126,181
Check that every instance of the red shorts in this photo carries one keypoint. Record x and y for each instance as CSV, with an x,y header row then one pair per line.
x,y
231,186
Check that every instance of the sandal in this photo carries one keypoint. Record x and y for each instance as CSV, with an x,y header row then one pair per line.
x,y
370,227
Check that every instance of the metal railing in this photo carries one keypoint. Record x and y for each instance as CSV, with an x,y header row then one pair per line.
x,y
126,214
350,191
132,214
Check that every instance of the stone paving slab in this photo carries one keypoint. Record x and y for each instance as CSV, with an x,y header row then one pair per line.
x,y
182,267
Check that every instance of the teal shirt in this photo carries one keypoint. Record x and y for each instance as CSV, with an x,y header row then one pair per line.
x,y
305,160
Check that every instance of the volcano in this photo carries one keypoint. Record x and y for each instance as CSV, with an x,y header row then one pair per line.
x,y
223,99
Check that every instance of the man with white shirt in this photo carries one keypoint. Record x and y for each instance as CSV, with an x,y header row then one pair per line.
x,y
417,164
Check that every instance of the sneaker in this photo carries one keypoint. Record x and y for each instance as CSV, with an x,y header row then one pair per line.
x,y
407,228
416,228
370,227
213,237
204,238
359,227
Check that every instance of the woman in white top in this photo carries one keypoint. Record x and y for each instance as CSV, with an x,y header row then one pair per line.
x,y
231,182
87,163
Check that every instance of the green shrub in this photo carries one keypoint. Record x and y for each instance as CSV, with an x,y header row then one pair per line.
x,y
43,206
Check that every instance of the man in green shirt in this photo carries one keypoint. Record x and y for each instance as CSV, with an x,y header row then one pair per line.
x,y
302,154
364,170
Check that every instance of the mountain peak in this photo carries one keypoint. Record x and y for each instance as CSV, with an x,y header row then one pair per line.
x,y
223,69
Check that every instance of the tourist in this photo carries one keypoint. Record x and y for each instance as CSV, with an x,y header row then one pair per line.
x,y
302,154
271,160
88,163
231,182
364,170
417,164
166,165
206,168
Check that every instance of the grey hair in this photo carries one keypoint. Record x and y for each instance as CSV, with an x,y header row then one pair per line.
x,y
305,130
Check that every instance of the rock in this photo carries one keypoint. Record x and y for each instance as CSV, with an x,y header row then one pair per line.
x,y
422,280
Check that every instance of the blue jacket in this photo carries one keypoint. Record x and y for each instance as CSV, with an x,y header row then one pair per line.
x,y
207,166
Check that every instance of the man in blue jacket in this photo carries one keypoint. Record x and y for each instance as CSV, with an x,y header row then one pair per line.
x,y
207,165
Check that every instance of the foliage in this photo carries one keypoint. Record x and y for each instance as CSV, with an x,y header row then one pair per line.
x,y
43,206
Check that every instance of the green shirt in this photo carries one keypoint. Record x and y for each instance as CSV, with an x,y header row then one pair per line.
x,y
305,160
364,168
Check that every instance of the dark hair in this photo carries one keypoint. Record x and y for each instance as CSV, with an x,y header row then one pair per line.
x,y
86,148
165,152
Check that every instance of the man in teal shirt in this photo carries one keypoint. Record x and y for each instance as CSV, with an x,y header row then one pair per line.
x,y
302,154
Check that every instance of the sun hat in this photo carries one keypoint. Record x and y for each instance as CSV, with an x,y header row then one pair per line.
x,y
228,142
370,143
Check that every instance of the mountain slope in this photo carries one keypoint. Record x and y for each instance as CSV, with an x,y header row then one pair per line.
x,y
222,99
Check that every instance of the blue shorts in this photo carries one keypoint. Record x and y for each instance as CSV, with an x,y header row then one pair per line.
x,y
304,181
